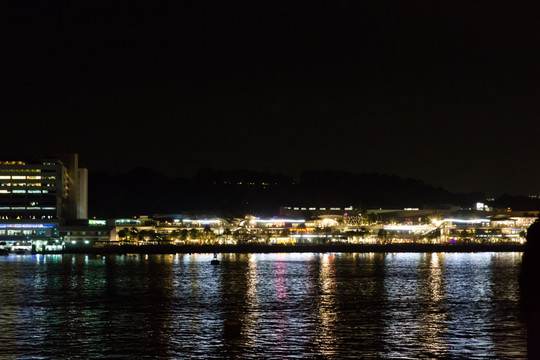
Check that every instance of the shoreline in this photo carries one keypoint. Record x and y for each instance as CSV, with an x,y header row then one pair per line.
x,y
265,249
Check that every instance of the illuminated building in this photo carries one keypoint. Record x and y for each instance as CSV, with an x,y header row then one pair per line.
x,y
88,233
307,211
44,189
37,197
29,235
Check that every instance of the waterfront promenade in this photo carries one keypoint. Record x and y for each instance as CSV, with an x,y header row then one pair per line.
x,y
330,248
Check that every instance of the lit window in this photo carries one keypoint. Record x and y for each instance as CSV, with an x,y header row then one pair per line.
x,y
19,191
19,177
4,191
5,177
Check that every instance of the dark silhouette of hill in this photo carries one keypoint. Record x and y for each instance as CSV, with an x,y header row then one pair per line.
x,y
236,193
373,190
144,191
517,202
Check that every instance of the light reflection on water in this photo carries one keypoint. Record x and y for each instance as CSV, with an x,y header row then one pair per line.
x,y
327,306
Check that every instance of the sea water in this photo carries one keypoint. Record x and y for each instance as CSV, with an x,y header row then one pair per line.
x,y
303,305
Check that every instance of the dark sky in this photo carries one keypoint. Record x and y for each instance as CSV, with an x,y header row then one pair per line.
x,y
442,91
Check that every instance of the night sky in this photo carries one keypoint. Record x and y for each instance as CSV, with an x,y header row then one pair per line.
x,y
443,91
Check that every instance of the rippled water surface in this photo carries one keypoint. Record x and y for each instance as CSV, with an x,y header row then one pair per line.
x,y
315,306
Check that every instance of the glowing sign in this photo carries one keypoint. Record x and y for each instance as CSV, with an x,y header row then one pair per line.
x,y
97,222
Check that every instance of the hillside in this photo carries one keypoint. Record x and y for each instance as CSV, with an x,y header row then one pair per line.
x,y
236,193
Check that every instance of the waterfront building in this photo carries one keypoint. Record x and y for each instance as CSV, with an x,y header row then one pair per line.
x,y
83,233
43,189
171,229
306,212
37,198
30,236
400,226
277,230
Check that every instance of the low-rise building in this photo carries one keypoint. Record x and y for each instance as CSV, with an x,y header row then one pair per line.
x,y
83,233
30,236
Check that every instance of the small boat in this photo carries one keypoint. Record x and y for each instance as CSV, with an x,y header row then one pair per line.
x,y
214,261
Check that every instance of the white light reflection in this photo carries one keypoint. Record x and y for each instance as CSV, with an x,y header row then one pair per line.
x,y
436,284
401,310
433,326
469,293
252,313
280,275
327,306
190,288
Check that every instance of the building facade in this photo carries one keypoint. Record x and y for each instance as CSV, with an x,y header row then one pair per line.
x,y
43,189
37,198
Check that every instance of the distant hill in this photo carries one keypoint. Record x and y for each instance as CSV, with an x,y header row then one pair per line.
x,y
143,191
